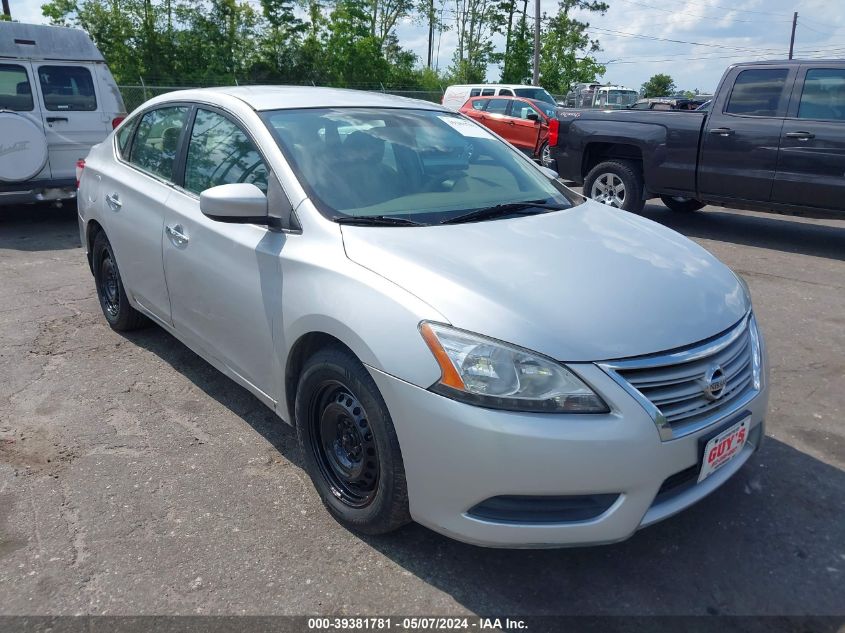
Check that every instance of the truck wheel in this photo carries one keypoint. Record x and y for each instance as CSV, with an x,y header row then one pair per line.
x,y
349,445
678,203
618,183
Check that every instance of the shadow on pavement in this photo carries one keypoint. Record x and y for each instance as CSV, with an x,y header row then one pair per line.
x,y
39,227
770,541
819,238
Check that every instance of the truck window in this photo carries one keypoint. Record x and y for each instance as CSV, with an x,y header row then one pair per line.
x,y
823,96
757,92
67,88
15,90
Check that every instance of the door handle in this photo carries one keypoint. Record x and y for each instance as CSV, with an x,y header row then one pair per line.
x,y
174,232
113,200
801,136
53,119
722,131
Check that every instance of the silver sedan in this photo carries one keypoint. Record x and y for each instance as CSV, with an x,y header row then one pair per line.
x,y
458,338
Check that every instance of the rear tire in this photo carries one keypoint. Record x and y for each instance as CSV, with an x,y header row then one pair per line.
x,y
113,300
349,444
682,205
617,183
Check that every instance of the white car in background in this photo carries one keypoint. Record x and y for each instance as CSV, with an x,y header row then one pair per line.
x,y
57,100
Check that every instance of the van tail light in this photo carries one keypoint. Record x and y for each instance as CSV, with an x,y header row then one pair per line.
x,y
116,121
554,126
80,165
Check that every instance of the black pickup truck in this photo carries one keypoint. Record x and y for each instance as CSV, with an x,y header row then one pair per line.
x,y
773,139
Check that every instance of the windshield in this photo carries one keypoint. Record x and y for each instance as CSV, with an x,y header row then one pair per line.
x,y
420,165
539,94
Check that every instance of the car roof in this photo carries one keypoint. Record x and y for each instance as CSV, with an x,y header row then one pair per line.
x,y
288,97
491,86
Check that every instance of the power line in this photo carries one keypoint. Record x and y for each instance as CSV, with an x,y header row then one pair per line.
x,y
698,15
713,6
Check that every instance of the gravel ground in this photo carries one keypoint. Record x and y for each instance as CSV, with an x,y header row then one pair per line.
x,y
135,479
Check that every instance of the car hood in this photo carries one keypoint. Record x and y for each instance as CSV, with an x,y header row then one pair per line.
x,y
585,284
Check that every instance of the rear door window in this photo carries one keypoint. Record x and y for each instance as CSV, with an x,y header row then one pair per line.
x,y
157,140
220,153
758,92
67,88
823,96
498,106
15,89
480,104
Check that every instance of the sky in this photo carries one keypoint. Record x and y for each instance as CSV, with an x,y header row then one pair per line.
x,y
706,36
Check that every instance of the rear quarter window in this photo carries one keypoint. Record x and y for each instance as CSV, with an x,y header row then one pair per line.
x,y
67,88
15,89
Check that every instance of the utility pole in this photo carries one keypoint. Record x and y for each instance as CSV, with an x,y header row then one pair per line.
x,y
536,81
430,31
792,39
6,10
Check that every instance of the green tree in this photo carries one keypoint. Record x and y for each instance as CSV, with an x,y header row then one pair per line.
x,y
519,50
566,53
660,85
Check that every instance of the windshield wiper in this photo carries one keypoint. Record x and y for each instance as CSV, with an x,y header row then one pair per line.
x,y
374,220
526,207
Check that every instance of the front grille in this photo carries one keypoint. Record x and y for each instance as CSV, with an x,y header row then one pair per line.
x,y
675,383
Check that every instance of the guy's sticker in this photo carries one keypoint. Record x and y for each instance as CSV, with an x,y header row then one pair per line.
x,y
466,128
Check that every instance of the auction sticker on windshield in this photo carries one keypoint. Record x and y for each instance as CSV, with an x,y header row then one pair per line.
x,y
465,127
723,448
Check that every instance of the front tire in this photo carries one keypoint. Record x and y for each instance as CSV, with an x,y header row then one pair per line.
x,y
545,156
617,183
349,444
682,205
121,316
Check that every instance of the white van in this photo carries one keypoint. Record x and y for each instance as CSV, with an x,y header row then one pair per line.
x,y
57,100
456,96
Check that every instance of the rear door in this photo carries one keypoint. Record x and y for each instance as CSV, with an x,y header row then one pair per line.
x,y
133,191
496,116
17,99
71,112
742,134
811,163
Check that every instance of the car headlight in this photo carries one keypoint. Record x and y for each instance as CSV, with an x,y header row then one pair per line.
x,y
756,354
489,373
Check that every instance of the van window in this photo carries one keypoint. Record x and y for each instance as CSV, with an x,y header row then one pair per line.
x,y
506,92
157,139
220,153
757,92
475,92
15,89
67,88
488,92
824,95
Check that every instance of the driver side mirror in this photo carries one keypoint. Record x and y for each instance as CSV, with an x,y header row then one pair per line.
x,y
235,202
532,116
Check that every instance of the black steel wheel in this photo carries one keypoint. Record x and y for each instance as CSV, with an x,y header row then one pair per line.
x,y
343,444
348,443
112,295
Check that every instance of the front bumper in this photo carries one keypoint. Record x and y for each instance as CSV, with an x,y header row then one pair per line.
x,y
457,456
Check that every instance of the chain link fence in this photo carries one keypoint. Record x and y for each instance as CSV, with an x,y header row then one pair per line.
x,y
135,95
